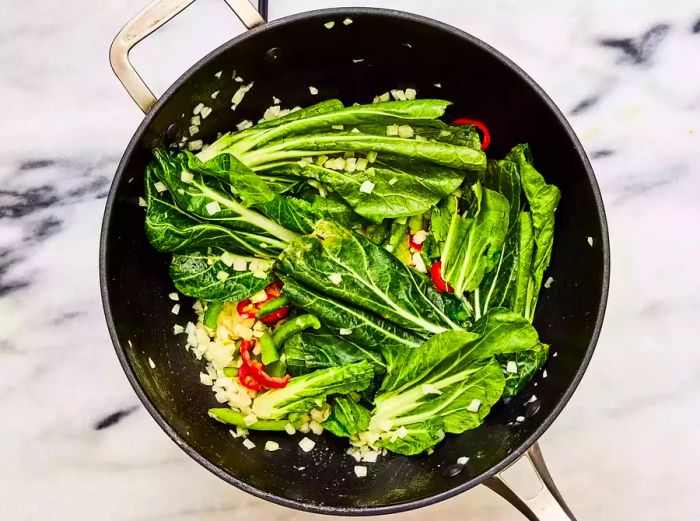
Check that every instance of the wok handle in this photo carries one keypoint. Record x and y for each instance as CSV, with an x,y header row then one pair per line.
x,y
153,16
544,505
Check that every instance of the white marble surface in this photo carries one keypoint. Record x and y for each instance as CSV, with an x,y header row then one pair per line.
x,y
626,447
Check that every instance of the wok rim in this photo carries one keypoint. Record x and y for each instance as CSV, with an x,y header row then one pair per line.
x,y
545,421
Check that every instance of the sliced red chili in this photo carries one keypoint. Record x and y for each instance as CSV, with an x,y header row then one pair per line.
x,y
276,316
272,382
414,245
486,141
274,290
436,275
245,376
246,309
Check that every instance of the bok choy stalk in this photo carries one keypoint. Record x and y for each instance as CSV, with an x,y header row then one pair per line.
x,y
303,393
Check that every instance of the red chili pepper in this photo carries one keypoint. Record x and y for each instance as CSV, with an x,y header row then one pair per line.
x,y
275,316
264,379
252,372
246,309
414,245
245,376
478,124
436,275
274,289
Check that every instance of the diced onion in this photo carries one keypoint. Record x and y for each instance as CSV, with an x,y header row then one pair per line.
x,y
590,241
289,428
151,363
218,74
176,309
398,95
213,208
250,419
347,21
335,278
367,187
410,94
462,461
206,111
160,186
358,60
329,25
195,120
222,276
214,94
186,177
306,444
392,130
511,367
272,446
520,419
244,124
548,283
142,202
438,85
474,405
313,90
178,329
239,264
260,296
360,471
228,258
406,131
345,332
248,444
371,156
198,108
194,129
197,144
361,164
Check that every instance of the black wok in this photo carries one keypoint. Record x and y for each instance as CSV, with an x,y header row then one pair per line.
x,y
284,58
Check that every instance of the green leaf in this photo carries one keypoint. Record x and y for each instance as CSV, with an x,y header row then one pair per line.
x,y
231,417
205,276
360,327
303,393
543,199
526,248
320,349
473,239
398,189
171,229
198,195
527,362
347,417
419,437
348,267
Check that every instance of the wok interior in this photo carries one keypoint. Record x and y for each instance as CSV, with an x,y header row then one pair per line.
x,y
284,60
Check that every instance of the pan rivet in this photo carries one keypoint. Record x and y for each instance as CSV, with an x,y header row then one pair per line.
x,y
273,53
452,470
532,408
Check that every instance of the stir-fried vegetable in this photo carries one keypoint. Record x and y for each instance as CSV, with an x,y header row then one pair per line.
x,y
364,269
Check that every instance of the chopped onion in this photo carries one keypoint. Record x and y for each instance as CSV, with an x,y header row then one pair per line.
x,y
178,329
197,144
345,332
532,399
240,93
245,124
218,75
214,94
194,129
410,94
361,164
248,444
316,428
276,100
313,91
544,374
351,164
176,309
360,471
250,419
371,156
438,85
142,202
398,95
511,367
347,21
160,186
213,208
260,296
329,25
358,60
151,363
418,263
195,120
406,131
272,446
392,130
306,444
186,177
590,241
198,108
430,389
205,112
228,259
367,187
420,236
338,127
462,461
238,79
205,379
548,282
222,276
520,419
335,278
289,428
474,405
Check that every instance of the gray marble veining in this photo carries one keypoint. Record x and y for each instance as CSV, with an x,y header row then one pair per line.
x,y
75,441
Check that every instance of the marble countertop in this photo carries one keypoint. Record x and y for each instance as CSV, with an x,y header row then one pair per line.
x,y
75,443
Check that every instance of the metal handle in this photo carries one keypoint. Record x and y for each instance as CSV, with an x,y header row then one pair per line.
x,y
144,23
543,505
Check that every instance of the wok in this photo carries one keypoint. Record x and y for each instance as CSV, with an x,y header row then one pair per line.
x,y
284,58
